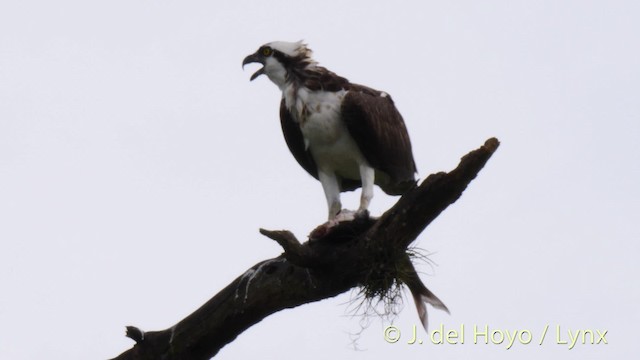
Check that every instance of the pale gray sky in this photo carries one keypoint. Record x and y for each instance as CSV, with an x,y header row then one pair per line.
x,y
137,163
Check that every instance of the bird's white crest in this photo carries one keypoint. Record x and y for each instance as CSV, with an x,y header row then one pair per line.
x,y
292,49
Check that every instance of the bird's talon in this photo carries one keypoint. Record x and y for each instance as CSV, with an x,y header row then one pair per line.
x,y
362,214
344,215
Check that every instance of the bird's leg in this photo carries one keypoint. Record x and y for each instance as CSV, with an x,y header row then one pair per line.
x,y
331,188
367,176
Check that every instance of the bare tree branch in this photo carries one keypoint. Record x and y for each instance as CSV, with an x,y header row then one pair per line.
x,y
333,261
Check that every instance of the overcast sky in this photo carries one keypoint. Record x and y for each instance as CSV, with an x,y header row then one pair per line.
x,y
137,163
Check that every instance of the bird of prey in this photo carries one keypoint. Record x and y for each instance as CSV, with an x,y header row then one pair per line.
x,y
343,134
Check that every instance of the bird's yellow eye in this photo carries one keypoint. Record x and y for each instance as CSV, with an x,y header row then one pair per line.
x,y
267,51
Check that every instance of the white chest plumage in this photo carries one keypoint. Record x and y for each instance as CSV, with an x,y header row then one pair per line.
x,y
325,134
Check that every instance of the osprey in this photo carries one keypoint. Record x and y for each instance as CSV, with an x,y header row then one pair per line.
x,y
343,134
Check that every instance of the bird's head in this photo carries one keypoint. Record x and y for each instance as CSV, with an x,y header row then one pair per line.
x,y
281,60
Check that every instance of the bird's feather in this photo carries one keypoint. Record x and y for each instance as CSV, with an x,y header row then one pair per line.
x,y
379,131
295,141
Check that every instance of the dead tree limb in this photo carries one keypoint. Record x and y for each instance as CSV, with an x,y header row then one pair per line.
x,y
330,263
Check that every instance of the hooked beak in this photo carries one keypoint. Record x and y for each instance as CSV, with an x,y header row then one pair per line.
x,y
254,58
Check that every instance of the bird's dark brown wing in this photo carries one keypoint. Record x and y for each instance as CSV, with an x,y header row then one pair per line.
x,y
295,141
379,130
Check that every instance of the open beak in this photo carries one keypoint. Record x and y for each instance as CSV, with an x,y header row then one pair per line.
x,y
254,58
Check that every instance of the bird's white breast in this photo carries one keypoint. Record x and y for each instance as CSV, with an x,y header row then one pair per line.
x,y
325,134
